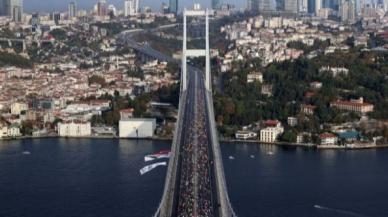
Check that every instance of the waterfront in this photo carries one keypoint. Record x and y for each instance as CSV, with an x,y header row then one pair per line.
x,y
100,177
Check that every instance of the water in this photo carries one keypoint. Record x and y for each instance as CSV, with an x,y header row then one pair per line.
x,y
100,178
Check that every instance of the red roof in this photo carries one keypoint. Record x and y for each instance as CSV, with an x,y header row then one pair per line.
x,y
271,122
338,102
326,135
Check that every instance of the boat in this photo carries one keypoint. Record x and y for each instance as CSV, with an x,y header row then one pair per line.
x,y
231,158
270,153
252,156
26,152
158,155
148,168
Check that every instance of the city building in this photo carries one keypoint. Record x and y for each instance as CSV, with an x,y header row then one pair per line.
x,y
245,135
328,139
12,8
131,7
72,10
56,17
292,121
137,128
18,107
3,129
173,4
303,6
74,128
348,11
273,129
216,4
102,8
316,85
126,113
264,5
318,6
291,6
14,130
259,5
353,105
307,109
255,76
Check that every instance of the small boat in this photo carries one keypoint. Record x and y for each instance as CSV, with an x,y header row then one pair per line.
x,y
158,155
26,152
231,158
270,153
252,156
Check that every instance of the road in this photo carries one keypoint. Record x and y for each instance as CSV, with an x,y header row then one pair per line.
x,y
195,181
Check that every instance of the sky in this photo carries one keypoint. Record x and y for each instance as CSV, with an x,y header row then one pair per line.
x,y
61,5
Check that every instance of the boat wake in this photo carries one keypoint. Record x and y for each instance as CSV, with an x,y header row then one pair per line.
x,y
340,211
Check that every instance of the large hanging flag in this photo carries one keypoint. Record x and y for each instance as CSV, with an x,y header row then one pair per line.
x,y
158,155
148,168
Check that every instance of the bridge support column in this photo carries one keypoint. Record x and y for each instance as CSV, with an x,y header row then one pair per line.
x,y
208,75
194,52
184,58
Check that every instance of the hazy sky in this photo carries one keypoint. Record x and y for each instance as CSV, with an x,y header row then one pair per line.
x,y
61,5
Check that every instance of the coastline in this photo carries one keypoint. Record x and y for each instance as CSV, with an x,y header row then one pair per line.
x,y
226,141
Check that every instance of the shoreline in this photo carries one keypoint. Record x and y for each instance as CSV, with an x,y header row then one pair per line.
x,y
253,142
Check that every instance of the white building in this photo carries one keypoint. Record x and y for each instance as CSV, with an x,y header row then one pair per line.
x,y
255,76
74,128
292,121
131,7
3,130
137,128
13,130
318,6
269,134
245,135
291,6
353,105
18,107
328,139
273,130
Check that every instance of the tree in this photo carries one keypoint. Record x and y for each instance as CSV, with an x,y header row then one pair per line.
x,y
289,136
95,79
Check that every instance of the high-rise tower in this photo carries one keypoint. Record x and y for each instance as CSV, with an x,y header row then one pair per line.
x,y
173,4
72,10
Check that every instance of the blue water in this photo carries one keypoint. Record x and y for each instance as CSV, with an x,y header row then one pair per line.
x,y
59,5
100,178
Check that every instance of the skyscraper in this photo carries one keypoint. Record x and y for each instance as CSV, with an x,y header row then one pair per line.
x,y
216,4
253,5
291,6
72,10
264,5
318,6
12,8
131,7
173,6
102,8
348,11
302,6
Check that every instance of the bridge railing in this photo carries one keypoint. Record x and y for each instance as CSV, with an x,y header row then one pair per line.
x,y
226,206
168,193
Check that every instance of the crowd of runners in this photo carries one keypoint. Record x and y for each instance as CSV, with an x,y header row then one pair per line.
x,y
195,187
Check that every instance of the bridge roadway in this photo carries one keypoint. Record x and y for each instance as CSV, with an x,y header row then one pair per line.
x,y
195,193
195,183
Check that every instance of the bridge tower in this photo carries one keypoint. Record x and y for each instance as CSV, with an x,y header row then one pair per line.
x,y
195,52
